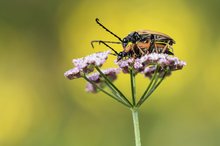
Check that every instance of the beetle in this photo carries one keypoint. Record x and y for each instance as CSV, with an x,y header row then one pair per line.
x,y
139,43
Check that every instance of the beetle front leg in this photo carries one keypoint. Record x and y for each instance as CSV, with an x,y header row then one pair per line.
x,y
100,41
103,42
156,48
141,51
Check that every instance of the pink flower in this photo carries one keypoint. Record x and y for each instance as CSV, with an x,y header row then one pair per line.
x,y
125,64
149,70
147,64
96,78
72,73
86,64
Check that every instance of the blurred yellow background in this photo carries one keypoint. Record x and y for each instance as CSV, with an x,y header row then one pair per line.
x,y
39,107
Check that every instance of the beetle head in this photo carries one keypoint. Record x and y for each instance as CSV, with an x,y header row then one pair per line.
x,y
121,55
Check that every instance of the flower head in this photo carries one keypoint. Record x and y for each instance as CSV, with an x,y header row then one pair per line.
x,y
147,64
155,66
73,73
129,63
86,64
149,70
97,79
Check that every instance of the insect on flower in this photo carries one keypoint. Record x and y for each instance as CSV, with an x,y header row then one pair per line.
x,y
139,43
155,66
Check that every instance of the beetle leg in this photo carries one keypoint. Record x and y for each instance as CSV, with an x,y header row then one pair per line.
x,y
156,48
133,53
142,52
152,44
100,41
109,47
164,49
171,48
170,52
153,47
129,47
113,54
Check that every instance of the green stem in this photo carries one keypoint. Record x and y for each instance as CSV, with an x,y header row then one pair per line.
x,y
114,87
148,88
133,86
116,93
154,87
112,96
136,127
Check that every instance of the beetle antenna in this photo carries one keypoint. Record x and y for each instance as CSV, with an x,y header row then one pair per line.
x,y
97,21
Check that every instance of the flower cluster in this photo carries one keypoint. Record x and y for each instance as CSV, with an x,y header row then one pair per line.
x,y
97,59
86,64
147,64
73,73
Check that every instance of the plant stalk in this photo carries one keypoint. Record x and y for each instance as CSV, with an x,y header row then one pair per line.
x,y
112,96
136,127
133,86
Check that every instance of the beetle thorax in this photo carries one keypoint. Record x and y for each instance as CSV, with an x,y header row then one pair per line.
x,y
134,37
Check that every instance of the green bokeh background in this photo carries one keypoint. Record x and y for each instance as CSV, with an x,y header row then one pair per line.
x,y
39,107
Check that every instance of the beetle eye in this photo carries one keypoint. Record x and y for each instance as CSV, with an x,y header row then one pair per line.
x,y
125,40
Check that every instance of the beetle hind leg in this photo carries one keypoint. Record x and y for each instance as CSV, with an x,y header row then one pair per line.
x,y
153,47
166,46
